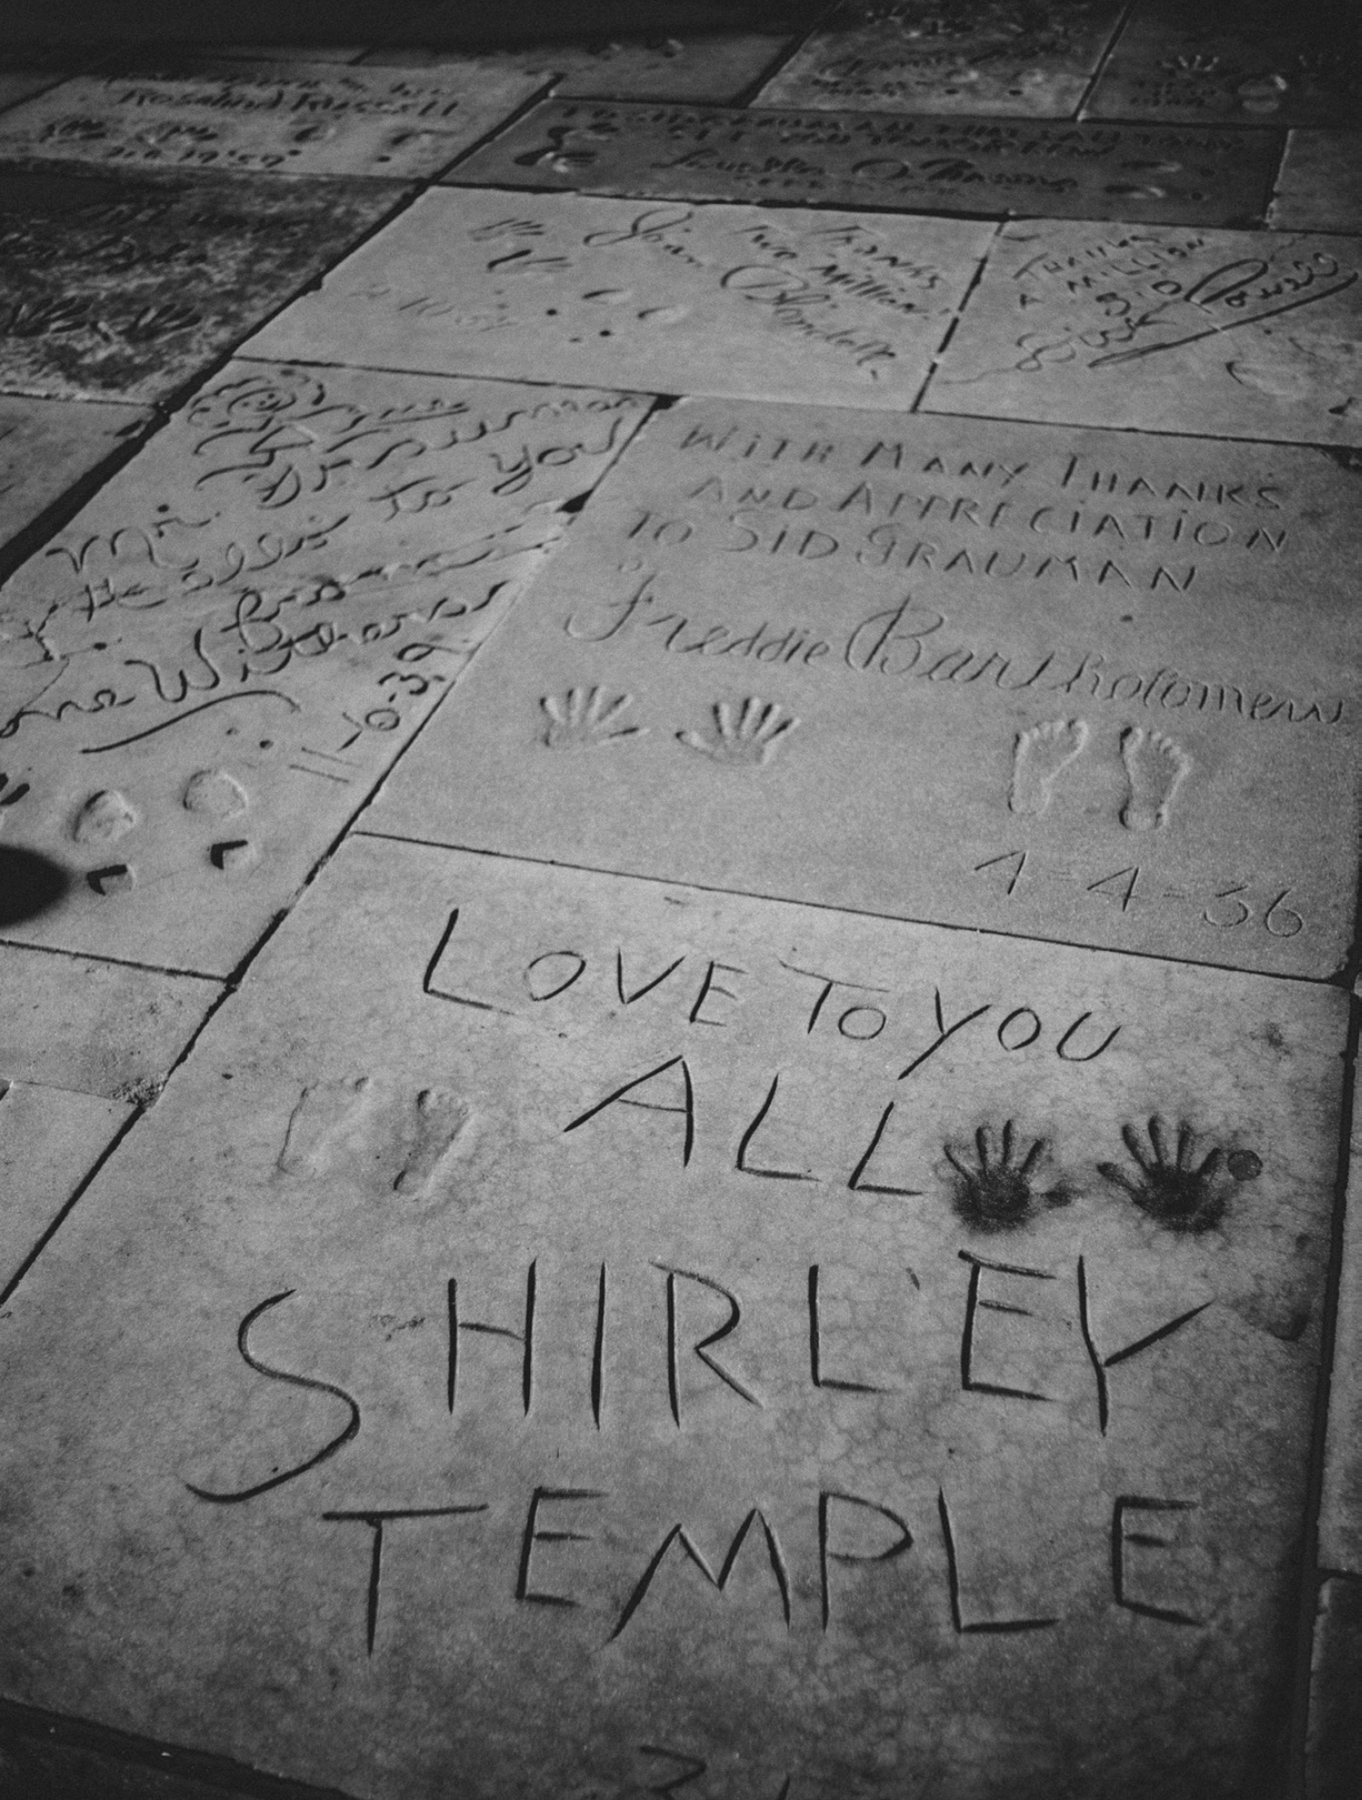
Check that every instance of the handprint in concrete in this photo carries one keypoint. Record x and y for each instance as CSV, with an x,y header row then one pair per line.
x,y
586,719
1169,1186
749,733
995,1190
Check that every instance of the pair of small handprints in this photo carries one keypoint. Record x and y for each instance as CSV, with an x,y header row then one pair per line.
x,y
998,1188
748,732
1155,767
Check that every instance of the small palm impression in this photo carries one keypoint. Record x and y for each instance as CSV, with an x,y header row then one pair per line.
x,y
747,733
998,1190
1169,1185
586,719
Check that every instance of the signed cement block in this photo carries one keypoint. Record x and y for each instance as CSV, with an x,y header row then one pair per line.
x,y
698,1306
718,67
226,648
1228,334
999,166
829,306
951,56
1320,184
1244,63
48,446
264,118
118,289
95,1027
50,1140
1039,681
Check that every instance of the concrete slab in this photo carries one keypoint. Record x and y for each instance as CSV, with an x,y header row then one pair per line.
x,y
118,289
950,56
264,118
987,166
95,1027
1032,680
237,636
1320,184
718,66
831,307
528,1300
48,446
1226,334
50,1140
312,53
1244,61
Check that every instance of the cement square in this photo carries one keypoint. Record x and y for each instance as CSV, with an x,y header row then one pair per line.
x,y
829,307
48,446
265,118
126,289
950,56
1238,61
239,633
1223,333
717,67
1158,174
1334,1743
1046,682
1319,187
699,1306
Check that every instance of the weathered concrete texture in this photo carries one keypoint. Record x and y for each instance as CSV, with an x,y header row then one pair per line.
x,y
124,289
987,166
953,56
1226,334
1334,1750
581,1344
95,1026
1250,61
265,118
224,650
829,307
717,67
998,676
48,446
50,1139
1320,184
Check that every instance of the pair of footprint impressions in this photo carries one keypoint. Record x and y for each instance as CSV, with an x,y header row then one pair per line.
x,y
999,1185
746,731
108,816
1155,767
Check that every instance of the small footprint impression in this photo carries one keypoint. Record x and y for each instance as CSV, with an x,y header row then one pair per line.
x,y
393,1142
1154,765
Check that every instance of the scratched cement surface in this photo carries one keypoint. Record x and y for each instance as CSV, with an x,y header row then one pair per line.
x,y
830,307
991,675
951,56
1319,187
265,118
487,1362
114,288
1241,61
1223,333
208,669
701,66
926,164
